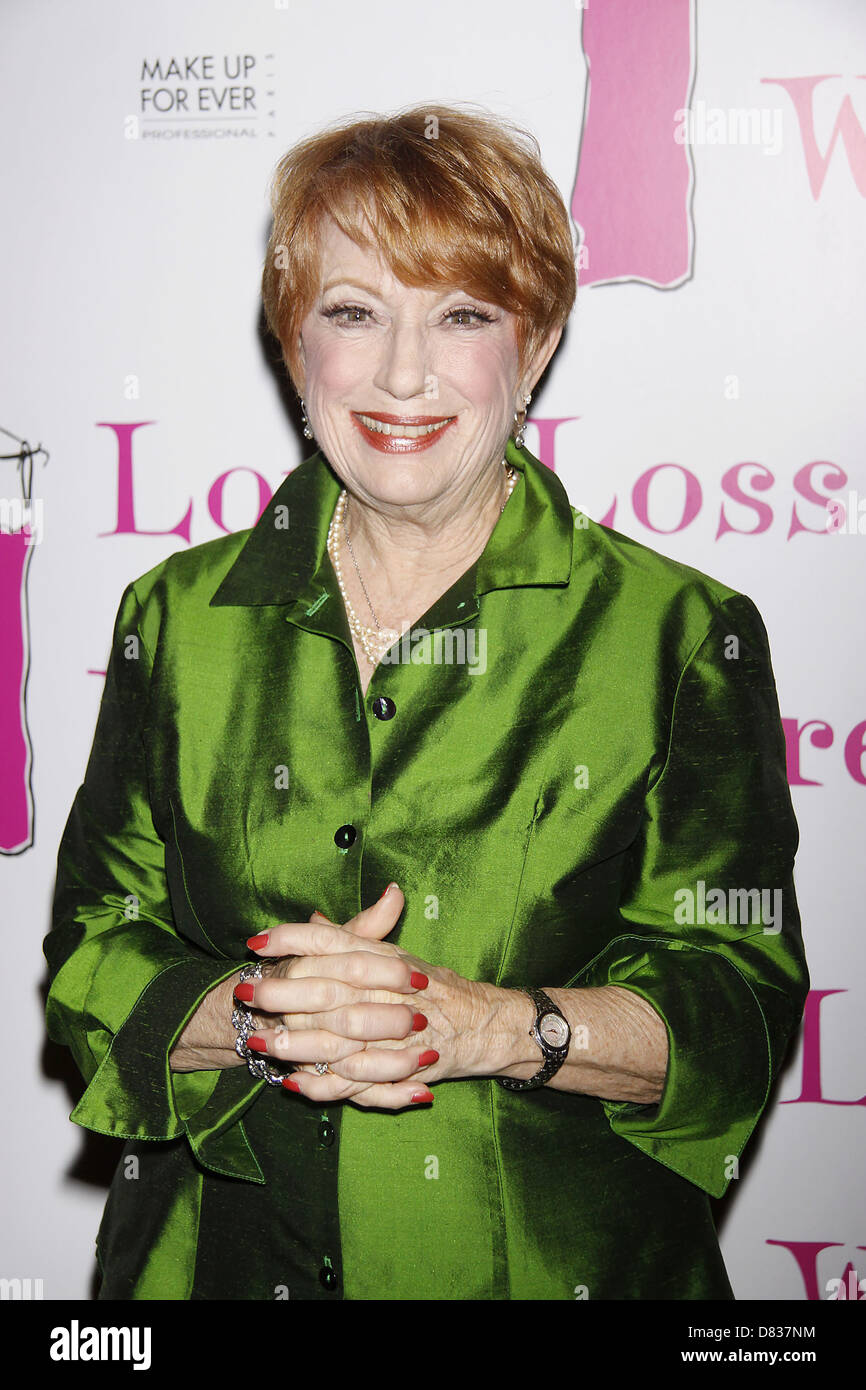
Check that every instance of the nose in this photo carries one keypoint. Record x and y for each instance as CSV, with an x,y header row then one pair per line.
x,y
404,369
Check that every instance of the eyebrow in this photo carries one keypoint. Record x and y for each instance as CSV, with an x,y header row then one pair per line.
x,y
355,284
377,293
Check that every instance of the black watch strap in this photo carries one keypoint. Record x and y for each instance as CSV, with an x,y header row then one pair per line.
x,y
553,1056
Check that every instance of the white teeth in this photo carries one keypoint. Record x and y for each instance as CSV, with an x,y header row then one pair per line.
x,y
401,431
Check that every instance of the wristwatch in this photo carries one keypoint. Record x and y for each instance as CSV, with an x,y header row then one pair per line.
x,y
553,1035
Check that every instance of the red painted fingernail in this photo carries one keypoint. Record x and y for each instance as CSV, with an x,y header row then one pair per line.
x,y
256,943
291,1085
245,992
419,1097
428,1058
418,981
385,890
419,1023
257,1044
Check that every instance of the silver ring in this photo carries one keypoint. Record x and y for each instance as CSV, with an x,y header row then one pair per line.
x,y
242,1021
321,1068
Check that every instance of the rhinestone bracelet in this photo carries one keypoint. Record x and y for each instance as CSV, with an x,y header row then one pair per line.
x,y
243,1022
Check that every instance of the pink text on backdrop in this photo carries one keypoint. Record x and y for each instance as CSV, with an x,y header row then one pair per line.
x,y
801,91
806,1254
821,736
811,1092
734,483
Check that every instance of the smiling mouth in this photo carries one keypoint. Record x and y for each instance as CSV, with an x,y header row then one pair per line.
x,y
404,427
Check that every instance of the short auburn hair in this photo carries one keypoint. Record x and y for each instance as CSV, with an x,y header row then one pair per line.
x,y
455,198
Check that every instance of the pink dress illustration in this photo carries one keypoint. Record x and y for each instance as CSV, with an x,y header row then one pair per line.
x,y
633,192
20,530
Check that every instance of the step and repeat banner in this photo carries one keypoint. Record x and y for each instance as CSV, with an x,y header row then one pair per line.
x,y
707,400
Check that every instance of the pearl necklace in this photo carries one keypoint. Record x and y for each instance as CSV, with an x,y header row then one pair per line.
x,y
373,641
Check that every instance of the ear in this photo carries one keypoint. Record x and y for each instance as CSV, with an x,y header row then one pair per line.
x,y
302,368
537,363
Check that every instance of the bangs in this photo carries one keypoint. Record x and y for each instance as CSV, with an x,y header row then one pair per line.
x,y
443,197
430,240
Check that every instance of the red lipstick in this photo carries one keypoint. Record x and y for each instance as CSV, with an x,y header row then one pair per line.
x,y
396,443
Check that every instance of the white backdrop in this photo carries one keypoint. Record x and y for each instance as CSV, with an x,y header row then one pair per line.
x,y
132,243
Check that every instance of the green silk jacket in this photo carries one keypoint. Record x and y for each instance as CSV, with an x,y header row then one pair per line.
x,y
583,780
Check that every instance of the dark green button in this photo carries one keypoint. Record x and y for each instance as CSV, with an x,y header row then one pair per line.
x,y
327,1278
383,708
327,1134
345,836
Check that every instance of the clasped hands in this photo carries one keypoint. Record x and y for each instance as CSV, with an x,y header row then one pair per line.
x,y
387,1023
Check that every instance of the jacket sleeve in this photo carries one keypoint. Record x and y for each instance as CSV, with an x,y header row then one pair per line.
x,y
714,942
123,982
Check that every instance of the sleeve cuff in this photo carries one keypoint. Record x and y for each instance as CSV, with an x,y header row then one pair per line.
x,y
719,1062
134,1094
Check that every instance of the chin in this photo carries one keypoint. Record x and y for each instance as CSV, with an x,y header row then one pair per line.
x,y
400,481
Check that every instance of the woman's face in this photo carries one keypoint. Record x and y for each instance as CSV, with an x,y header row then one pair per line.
x,y
373,347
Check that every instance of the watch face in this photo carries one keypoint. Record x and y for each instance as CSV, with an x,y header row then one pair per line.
x,y
554,1030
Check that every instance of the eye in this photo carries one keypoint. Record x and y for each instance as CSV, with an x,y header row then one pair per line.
x,y
347,313
471,317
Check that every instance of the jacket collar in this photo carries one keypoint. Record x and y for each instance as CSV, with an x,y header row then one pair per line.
x,y
284,559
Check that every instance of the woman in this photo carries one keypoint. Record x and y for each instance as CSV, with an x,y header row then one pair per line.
x,y
572,741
